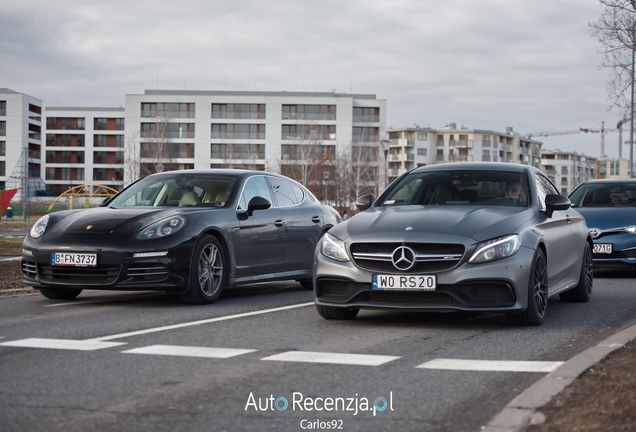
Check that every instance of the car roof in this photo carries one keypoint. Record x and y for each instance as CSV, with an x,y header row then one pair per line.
x,y
479,166
606,180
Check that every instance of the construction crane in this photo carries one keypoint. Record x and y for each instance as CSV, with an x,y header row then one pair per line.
x,y
545,134
602,131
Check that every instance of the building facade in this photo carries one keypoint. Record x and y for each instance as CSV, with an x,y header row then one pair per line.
x,y
567,169
20,132
413,147
303,135
612,168
83,146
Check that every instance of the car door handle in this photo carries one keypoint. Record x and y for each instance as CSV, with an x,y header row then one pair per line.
x,y
568,218
278,223
315,219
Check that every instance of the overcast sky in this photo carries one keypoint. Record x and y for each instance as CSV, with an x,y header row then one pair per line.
x,y
487,64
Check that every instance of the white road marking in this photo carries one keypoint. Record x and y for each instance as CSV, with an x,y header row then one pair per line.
x,y
491,365
64,344
332,358
189,351
11,258
195,323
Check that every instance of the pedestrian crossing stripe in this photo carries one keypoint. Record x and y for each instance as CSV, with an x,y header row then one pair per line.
x,y
63,344
189,351
332,358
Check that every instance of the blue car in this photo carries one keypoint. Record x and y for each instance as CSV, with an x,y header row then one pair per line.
x,y
609,208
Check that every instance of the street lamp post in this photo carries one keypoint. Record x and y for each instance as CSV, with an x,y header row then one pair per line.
x,y
385,143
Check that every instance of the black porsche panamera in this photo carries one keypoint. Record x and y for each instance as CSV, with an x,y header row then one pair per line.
x,y
190,232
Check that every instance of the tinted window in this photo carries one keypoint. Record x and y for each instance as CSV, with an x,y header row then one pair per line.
x,y
480,188
604,195
255,186
284,192
544,187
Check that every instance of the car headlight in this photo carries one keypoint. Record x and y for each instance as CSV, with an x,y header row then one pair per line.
x,y
631,229
163,228
334,248
496,249
38,228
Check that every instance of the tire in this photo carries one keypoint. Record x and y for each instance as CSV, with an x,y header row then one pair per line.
x,y
307,284
60,293
583,291
207,272
537,294
333,313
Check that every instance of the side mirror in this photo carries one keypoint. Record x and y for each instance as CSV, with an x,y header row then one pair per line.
x,y
257,203
364,202
555,202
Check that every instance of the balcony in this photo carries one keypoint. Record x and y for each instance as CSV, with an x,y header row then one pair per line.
x,y
401,157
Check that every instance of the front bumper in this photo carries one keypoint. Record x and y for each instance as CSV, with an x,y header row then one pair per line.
x,y
116,269
496,286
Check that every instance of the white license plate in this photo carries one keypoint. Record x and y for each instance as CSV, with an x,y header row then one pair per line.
x,y
74,259
404,283
602,248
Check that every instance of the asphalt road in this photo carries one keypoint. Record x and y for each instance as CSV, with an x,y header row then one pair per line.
x,y
261,359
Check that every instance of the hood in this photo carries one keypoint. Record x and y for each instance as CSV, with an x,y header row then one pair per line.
x,y
108,219
608,218
432,223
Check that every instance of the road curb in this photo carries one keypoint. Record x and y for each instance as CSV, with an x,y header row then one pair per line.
x,y
524,408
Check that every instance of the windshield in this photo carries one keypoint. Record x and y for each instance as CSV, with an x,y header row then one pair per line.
x,y
478,188
604,195
184,190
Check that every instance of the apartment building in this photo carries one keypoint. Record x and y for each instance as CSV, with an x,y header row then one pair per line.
x,y
299,134
568,169
20,132
83,146
612,168
416,146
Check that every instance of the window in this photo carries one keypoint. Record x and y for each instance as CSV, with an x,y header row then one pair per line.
x,y
255,186
365,134
64,140
3,128
3,171
421,152
421,137
108,140
309,132
307,152
366,114
170,110
108,124
287,194
106,157
544,187
3,148
309,112
3,108
237,151
167,130
238,111
108,174
65,123
238,131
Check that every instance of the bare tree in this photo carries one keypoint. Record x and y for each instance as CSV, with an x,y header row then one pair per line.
x,y
305,158
157,152
132,161
615,33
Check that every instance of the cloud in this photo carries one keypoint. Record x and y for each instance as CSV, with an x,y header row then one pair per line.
x,y
530,64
